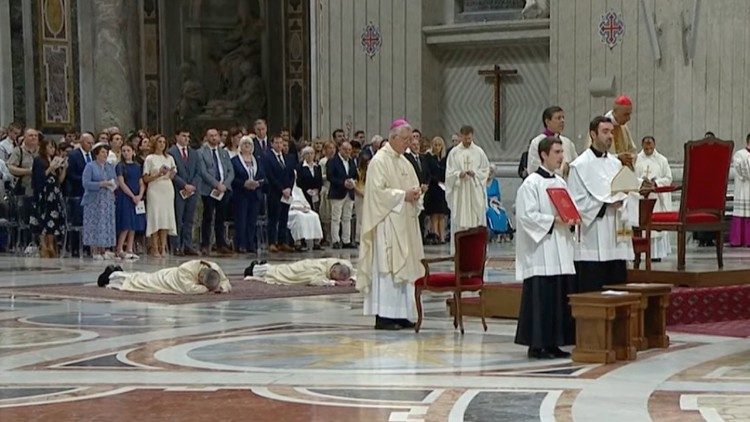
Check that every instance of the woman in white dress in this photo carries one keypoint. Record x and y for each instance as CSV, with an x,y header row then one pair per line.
x,y
158,171
303,223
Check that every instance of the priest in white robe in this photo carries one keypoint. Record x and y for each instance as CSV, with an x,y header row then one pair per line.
x,y
390,250
466,172
650,166
739,232
601,256
192,277
314,272
303,222
553,119
544,260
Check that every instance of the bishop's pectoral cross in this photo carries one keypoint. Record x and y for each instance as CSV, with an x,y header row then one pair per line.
x,y
497,75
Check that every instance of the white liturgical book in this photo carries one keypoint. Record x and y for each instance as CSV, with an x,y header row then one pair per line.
x,y
625,181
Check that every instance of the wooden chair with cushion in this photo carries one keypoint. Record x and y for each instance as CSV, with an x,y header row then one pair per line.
x,y
704,191
642,233
467,275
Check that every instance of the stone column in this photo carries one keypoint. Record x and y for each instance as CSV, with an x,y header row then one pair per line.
x,y
116,63
6,66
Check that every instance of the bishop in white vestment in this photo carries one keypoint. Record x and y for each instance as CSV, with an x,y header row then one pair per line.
x,y
390,250
650,166
466,172
739,232
601,256
544,260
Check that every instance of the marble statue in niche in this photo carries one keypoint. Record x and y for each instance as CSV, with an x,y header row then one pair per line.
x,y
192,96
236,52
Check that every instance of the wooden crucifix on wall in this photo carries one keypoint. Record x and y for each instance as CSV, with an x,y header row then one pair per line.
x,y
497,75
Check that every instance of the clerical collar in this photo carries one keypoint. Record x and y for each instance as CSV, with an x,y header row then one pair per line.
x,y
544,173
597,153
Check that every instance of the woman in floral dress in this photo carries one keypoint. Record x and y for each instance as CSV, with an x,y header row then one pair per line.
x,y
47,175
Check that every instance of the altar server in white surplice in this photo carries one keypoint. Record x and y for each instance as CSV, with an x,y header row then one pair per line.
x,y
192,277
303,223
601,256
390,249
739,232
544,260
650,166
465,176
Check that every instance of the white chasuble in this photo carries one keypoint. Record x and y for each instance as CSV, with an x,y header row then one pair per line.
x,y
175,280
467,196
741,167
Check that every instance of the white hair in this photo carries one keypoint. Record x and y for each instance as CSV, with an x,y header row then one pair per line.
x,y
307,150
395,130
376,138
247,139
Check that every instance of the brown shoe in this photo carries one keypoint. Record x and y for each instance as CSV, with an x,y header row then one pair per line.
x,y
273,248
286,248
223,250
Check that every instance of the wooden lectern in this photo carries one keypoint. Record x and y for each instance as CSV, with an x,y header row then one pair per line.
x,y
605,326
652,313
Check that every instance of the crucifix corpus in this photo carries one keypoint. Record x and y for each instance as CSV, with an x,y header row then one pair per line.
x,y
497,75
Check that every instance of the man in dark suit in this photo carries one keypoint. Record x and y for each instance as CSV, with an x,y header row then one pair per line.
x,y
280,174
185,182
77,160
261,141
216,175
342,174
422,170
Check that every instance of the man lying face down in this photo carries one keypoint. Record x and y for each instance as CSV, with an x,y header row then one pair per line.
x,y
192,277
315,272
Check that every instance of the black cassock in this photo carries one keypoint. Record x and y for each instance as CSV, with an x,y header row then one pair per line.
x,y
545,319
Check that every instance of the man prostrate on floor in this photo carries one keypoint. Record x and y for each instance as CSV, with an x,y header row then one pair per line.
x,y
190,278
544,260
314,272
601,256
391,245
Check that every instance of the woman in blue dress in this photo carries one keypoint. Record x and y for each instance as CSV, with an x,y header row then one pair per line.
x,y
497,217
98,202
129,195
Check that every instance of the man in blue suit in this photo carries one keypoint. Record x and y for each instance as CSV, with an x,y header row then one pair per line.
x,y
77,160
280,174
185,182
342,174
216,175
261,141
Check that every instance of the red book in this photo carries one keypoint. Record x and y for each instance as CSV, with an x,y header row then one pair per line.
x,y
564,204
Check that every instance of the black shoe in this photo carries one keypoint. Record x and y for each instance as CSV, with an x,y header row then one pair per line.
x,y
386,324
249,270
317,247
405,323
656,260
349,246
103,279
557,352
336,245
537,353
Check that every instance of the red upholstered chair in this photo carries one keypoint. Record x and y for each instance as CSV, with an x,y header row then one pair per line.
x,y
642,233
467,275
704,191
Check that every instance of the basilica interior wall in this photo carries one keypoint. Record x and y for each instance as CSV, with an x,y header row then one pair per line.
x,y
363,92
676,99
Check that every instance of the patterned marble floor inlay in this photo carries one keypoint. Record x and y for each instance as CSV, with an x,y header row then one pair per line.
x,y
319,359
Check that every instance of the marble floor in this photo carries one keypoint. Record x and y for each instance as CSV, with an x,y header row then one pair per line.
x,y
318,359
